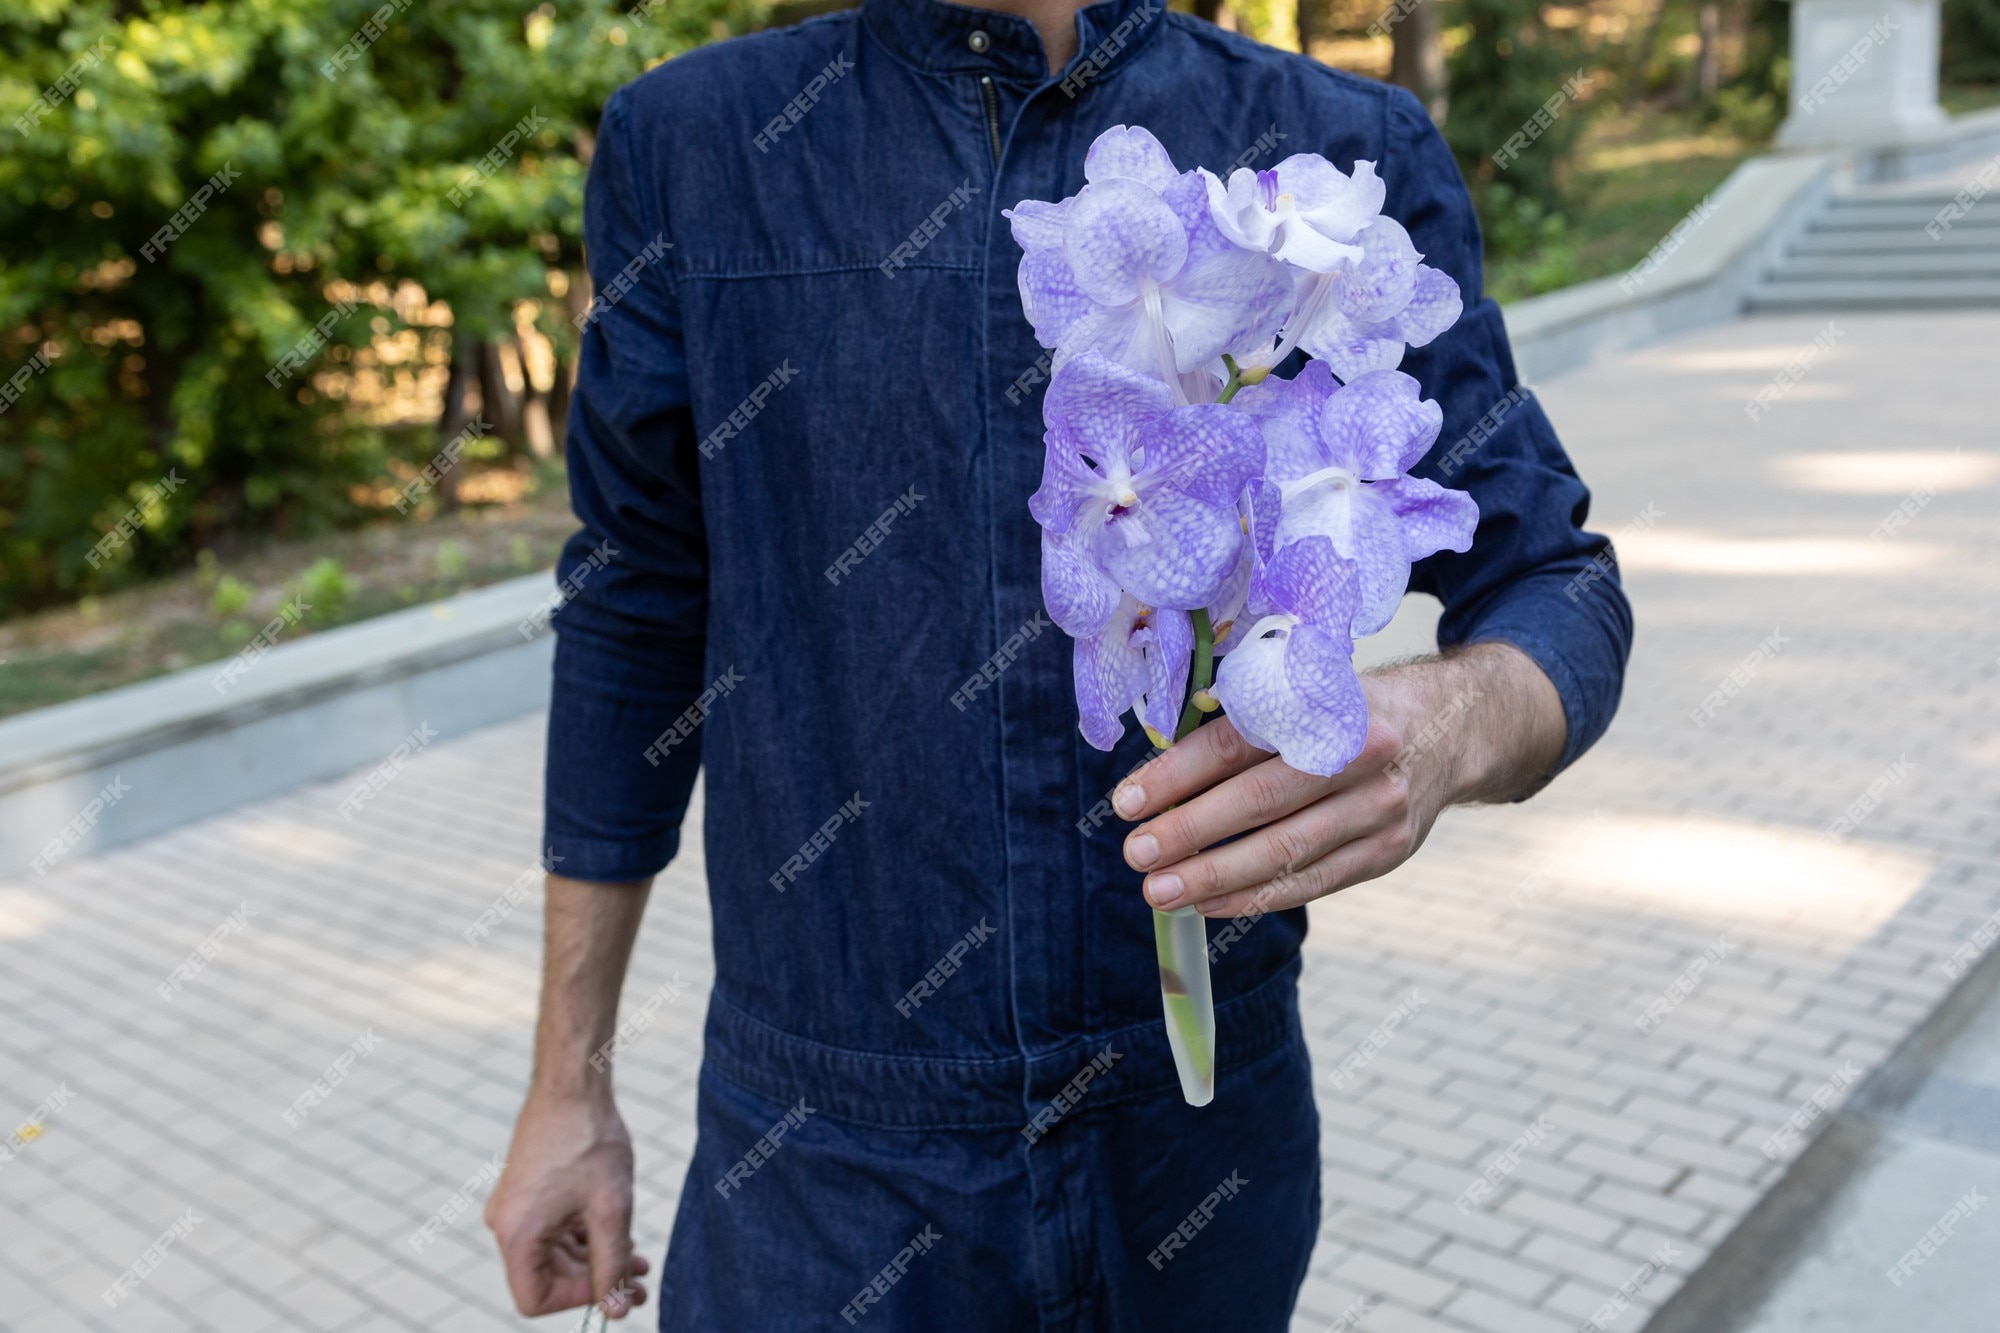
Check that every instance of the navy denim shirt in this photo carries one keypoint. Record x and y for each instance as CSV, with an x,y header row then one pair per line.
x,y
808,426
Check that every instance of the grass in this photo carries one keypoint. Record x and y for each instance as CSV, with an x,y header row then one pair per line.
x,y
211,612
1961,99
1635,175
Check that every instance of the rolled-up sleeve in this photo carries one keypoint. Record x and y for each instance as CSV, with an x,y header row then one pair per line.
x,y
630,633
1533,578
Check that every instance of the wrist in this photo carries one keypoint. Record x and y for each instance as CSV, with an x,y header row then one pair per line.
x,y
590,1091
1482,723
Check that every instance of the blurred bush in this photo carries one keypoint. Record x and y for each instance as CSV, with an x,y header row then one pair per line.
x,y
1972,41
1512,74
192,194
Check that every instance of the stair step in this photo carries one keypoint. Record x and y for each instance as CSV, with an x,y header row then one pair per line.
x,y
1900,294
1911,220
1931,199
1891,264
1959,240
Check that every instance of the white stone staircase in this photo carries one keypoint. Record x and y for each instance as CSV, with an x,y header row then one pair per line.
x,y
1872,249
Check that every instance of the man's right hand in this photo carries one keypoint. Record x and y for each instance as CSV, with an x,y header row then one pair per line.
x,y
562,1211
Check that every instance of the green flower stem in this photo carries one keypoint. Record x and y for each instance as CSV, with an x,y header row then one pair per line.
x,y
1235,378
1202,676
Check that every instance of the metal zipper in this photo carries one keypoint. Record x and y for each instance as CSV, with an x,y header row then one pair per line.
x,y
989,93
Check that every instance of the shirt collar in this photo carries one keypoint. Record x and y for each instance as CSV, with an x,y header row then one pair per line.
x,y
943,38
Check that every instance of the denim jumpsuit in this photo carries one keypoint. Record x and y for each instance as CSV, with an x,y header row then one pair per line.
x,y
936,1092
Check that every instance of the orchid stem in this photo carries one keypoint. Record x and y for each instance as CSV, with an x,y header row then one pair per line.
x,y
1202,677
1235,378
1180,937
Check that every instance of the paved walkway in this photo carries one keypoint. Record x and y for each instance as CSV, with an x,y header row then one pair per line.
x,y
1628,985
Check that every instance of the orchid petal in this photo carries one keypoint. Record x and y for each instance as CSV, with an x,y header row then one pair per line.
x,y
1432,517
1349,348
1336,205
1238,210
1080,597
1383,282
1129,152
1170,550
1037,223
1118,333
1110,678
1380,426
1304,245
1288,412
1230,602
1289,689
1169,658
1118,237
1051,298
1309,579
1222,302
1205,450
1098,409
1375,544
1434,306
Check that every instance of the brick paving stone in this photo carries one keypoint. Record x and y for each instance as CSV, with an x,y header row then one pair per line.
x,y
1377,1275
1367,1228
1646,1206
1388,1317
1505,1274
1485,1311
1535,933
1566,1219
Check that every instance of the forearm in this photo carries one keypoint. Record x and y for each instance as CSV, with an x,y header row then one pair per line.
x,y
1481,723
588,931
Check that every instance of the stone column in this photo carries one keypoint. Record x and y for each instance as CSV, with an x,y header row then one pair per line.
x,y
1864,73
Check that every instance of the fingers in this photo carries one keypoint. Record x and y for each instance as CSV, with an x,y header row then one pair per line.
x,y
1212,753
530,1276
1251,799
608,1224
1354,863
1278,850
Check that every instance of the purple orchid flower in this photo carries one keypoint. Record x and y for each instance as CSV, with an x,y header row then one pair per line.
x,y
1362,295
1305,210
1137,494
1138,661
1134,266
1338,459
1361,317
1290,685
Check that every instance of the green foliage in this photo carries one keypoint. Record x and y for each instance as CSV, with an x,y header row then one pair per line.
x,y
1503,77
1972,41
326,589
231,597
322,191
1520,227
451,560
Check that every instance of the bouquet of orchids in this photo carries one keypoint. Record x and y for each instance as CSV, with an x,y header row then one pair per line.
x,y
1192,506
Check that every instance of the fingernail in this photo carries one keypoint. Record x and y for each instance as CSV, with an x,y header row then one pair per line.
x,y
1165,890
1129,800
1141,850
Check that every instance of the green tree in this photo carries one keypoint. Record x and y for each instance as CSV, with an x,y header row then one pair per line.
x,y
1972,41
332,177
1513,75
